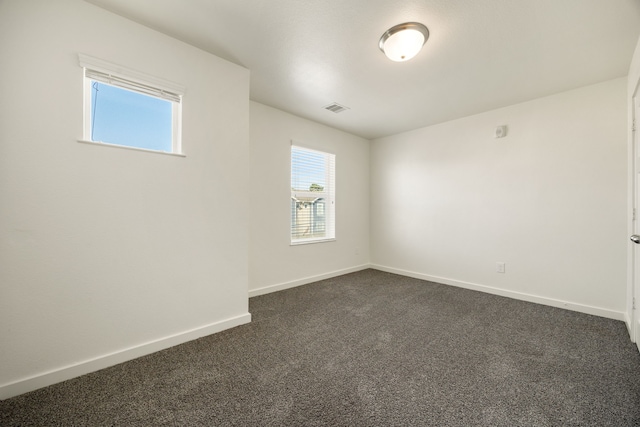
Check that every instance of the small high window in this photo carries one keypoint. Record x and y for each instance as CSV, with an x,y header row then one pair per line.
x,y
129,109
312,196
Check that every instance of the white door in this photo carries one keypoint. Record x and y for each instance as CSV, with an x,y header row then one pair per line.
x,y
635,288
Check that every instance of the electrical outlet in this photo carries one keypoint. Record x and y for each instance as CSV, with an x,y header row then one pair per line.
x,y
500,267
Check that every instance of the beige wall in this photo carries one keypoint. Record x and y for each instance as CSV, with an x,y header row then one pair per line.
x,y
107,253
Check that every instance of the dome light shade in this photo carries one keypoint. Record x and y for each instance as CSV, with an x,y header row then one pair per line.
x,y
402,42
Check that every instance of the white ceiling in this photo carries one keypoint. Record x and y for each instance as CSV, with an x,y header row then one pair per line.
x,y
481,55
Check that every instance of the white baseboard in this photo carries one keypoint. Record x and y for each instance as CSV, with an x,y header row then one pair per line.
x,y
587,309
75,370
305,281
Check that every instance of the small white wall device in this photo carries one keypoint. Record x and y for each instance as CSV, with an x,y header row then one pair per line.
x,y
501,132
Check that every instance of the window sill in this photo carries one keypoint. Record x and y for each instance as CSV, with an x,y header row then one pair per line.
x,y
309,242
146,150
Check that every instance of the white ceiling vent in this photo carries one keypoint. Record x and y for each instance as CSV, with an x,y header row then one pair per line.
x,y
336,108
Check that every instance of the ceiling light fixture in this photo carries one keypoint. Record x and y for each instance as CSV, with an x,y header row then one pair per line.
x,y
402,42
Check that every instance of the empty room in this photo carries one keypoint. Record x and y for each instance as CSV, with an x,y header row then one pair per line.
x,y
319,212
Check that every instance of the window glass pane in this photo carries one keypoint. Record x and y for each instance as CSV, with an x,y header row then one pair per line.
x,y
312,195
124,117
318,217
308,171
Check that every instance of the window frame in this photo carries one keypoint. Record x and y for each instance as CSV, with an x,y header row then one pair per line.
x,y
328,196
94,69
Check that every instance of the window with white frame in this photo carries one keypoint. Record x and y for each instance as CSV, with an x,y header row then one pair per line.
x,y
127,108
312,195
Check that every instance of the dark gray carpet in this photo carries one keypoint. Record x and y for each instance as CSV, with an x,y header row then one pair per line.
x,y
367,349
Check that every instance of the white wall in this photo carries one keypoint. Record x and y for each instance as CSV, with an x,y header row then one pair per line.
x,y
449,201
634,71
274,264
107,253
